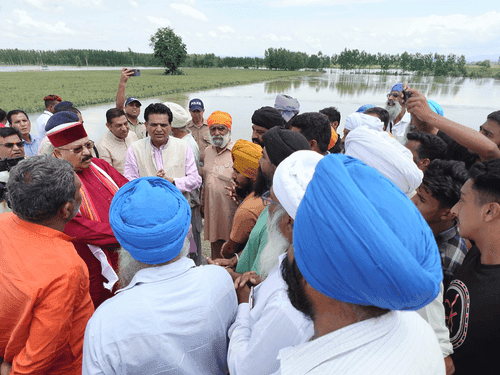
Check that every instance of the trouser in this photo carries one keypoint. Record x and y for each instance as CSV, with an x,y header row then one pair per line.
x,y
197,227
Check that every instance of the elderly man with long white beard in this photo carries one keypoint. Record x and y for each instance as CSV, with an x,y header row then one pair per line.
x,y
272,323
172,317
399,117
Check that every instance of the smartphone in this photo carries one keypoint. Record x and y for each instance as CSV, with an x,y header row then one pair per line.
x,y
137,73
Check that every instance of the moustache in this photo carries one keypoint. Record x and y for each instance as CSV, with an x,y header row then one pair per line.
x,y
88,157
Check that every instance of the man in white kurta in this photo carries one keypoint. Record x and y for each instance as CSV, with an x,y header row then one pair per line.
x,y
259,333
113,145
172,317
360,285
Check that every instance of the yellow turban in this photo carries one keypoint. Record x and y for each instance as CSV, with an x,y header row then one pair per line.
x,y
222,118
333,139
246,157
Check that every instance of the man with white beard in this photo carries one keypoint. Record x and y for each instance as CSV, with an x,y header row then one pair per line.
x,y
172,317
217,172
398,116
266,321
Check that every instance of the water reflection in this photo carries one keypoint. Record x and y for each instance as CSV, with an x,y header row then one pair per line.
x,y
467,101
352,85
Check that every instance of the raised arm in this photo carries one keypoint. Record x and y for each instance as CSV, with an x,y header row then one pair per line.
x,y
120,95
473,140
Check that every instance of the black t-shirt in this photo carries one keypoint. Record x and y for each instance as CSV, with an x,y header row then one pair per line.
x,y
456,151
472,307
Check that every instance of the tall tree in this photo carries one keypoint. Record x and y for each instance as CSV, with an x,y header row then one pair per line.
x,y
168,49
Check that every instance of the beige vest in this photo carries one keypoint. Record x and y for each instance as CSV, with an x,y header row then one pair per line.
x,y
173,155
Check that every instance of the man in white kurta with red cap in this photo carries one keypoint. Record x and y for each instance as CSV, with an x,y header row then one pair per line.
x,y
94,240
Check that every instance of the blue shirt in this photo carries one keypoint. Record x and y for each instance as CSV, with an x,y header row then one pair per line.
x,y
31,149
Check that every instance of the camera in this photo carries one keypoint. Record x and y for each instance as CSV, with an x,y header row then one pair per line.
x,y
137,73
406,95
5,166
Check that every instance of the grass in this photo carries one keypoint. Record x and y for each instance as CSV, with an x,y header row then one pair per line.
x,y
25,90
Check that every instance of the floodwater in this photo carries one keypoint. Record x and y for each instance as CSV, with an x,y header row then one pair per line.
x,y
466,101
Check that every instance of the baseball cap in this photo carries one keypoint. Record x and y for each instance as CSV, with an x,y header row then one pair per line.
x,y
196,104
132,99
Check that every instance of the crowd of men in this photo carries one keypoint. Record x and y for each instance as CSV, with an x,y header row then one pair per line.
x,y
373,253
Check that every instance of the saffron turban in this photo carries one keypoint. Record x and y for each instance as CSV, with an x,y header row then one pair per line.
x,y
246,157
267,117
358,239
281,143
384,153
333,139
356,119
221,118
180,115
365,107
150,219
287,105
292,177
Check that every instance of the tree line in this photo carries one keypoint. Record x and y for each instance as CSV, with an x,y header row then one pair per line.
x,y
274,58
76,57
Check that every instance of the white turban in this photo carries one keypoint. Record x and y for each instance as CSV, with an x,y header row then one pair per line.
x,y
181,116
292,177
384,153
356,119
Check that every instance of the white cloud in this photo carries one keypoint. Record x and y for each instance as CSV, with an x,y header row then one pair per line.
x,y
88,4
188,11
38,4
303,3
226,29
213,34
163,22
134,4
275,38
29,24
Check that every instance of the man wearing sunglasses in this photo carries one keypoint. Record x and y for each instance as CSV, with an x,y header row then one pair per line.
x,y
95,241
398,116
11,146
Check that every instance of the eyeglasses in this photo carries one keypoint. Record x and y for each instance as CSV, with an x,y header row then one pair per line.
x,y
11,145
89,146
266,201
394,94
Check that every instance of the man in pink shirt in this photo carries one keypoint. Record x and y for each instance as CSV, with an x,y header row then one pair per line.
x,y
161,155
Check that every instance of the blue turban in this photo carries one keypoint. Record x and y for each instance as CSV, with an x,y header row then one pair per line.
x,y
150,219
397,87
365,107
436,107
359,239
59,118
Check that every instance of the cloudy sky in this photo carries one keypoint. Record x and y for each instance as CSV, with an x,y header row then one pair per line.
x,y
248,28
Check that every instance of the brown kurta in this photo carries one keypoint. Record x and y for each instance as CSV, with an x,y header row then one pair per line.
x,y
219,207
201,135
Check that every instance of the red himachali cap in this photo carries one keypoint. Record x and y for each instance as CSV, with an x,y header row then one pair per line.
x,y
66,133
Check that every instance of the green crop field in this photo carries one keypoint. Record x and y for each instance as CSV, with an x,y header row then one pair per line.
x,y
25,90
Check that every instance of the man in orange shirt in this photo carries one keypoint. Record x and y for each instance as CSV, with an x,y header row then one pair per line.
x,y
44,284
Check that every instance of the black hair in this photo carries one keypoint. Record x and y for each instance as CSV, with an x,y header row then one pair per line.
x,y
444,179
114,113
486,176
381,113
3,116
332,113
8,131
158,109
431,146
314,125
15,112
495,116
